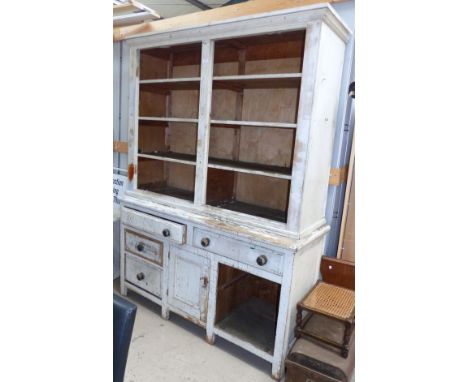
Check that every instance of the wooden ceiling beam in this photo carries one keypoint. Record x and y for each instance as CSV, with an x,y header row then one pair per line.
x,y
217,14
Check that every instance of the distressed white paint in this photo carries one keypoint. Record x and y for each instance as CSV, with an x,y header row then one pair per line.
x,y
282,333
153,225
164,158
282,125
249,171
323,121
143,293
212,297
188,283
243,344
169,119
204,115
151,274
238,250
149,249
123,288
190,271
306,101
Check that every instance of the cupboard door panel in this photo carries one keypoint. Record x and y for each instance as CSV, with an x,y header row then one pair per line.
x,y
188,283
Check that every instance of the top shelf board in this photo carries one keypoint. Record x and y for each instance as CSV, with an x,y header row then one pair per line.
x,y
191,83
258,81
235,83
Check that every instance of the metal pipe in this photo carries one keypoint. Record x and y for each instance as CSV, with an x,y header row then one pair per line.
x,y
199,4
119,169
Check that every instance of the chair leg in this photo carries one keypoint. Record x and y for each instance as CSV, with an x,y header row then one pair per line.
x,y
299,316
346,339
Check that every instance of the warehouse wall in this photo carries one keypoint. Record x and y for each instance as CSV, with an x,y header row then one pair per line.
x,y
120,160
343,136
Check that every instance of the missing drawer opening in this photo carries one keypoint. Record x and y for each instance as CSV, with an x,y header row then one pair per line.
x,y
247,307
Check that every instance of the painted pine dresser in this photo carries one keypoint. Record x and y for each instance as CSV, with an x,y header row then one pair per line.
x,y
230,129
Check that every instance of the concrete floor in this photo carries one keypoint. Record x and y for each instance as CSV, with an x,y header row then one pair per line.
x,y
176,350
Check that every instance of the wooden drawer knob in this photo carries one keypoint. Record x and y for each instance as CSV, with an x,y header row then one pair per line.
x,y
166,232
140,276
140,247
205,242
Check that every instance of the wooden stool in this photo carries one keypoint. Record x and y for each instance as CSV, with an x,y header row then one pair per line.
x,y
331,301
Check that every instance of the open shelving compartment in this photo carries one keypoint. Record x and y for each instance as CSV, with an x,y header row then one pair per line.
x,y
169,90
247,307
256,85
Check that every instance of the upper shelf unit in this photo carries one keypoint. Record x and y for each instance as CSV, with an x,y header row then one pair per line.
x,y
256,83
248,134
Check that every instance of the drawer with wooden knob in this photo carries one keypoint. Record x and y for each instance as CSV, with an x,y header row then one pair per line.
x,y
143,274
154,225
144,246
243,252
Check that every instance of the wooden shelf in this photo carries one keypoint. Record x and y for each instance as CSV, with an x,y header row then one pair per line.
x,y
170,156
169,119
222,164
250,168
167,84
258,81
282,125
251,209
170,191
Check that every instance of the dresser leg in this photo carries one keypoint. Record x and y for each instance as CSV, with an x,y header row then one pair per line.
x,y
210,338
165,313
123,288
277,370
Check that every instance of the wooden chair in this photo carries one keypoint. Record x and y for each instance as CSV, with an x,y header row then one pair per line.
x,y
332,297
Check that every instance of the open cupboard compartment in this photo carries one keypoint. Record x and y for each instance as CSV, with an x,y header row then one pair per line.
x,y
166,178
247,307
169,90
256,85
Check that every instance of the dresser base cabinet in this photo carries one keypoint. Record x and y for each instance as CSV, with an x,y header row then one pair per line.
x,y
231,128
250,303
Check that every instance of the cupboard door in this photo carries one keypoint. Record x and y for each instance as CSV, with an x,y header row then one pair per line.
x,y
188,283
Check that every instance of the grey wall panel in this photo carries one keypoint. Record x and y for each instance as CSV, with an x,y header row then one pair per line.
x,y
343,136
117,50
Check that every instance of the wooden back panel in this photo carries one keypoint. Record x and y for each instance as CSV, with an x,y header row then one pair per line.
x,y
337,272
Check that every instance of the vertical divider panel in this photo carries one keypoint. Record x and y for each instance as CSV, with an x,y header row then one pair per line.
x,y
204,115
130,68
304,123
